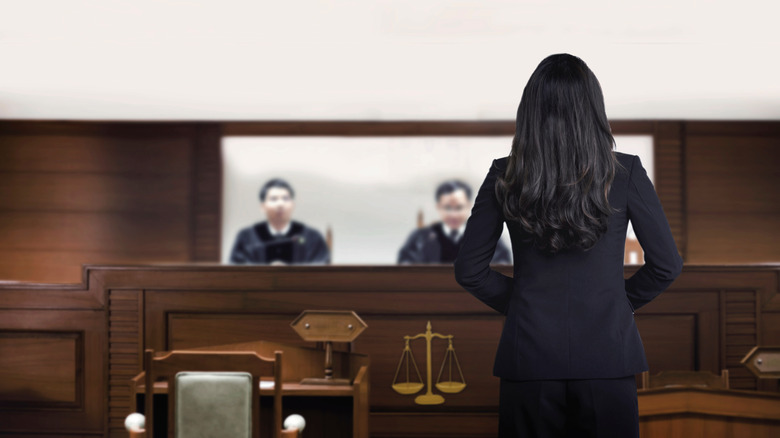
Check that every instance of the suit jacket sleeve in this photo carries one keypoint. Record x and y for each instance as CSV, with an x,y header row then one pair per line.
x,y
483,229
662,261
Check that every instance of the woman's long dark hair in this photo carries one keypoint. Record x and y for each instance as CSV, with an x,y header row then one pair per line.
x,y
562,161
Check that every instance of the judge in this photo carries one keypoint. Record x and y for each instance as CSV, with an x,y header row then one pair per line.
x,y
279,240
440,241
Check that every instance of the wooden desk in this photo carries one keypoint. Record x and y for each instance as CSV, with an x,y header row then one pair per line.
x,y
330,412
324,418
288,389
73,348
686,412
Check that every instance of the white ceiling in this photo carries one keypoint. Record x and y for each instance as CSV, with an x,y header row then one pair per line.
x,y
380,59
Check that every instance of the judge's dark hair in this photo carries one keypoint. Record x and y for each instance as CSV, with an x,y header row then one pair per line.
x,y
276,183
450,186
562,161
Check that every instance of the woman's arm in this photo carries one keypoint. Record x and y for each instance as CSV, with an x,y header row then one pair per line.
x,y
662,261
483,229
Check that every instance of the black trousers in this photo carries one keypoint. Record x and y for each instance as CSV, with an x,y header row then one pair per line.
x,y
569,408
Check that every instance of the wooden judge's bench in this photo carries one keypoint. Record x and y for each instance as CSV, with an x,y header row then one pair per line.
x,y
68,353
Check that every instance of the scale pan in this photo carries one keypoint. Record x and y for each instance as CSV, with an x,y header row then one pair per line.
x,y
408,387
450,387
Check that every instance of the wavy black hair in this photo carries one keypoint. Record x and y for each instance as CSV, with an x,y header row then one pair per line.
x,y
562,161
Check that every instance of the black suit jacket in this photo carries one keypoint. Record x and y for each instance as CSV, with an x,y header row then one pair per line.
x,y
570,315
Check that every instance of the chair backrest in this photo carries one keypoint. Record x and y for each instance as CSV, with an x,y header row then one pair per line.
x,y
200,381
700,379
329,238
213,404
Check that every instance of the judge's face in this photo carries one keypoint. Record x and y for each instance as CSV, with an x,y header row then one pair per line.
x,y
454,208
278,205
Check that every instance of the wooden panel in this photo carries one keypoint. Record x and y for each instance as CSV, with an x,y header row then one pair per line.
x,y
90,153
670,341
176,166
733,174
273,311
40,369
694,412
362,128
703,426
770,328
193,330
475,343
769,334
726,128
707,311
207,193
66,266
125,129
679,330
61,344
670,176
125,232
93,192
418,128
443,424
734,238
77,193
124,354
733,202
740,334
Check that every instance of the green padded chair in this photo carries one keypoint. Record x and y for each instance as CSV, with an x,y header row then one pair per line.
x,y
213,394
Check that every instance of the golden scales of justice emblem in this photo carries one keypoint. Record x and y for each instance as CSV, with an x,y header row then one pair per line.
x,y
409,387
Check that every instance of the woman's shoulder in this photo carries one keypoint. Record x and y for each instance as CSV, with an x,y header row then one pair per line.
x,y
625,159
626,162
500,163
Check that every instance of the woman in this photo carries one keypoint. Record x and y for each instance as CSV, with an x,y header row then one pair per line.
x,y
569,348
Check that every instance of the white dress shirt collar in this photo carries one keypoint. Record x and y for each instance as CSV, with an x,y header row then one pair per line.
x,y
278,233
448,230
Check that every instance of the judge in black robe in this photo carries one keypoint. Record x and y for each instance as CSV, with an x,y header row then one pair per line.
x,y
440,241
279,240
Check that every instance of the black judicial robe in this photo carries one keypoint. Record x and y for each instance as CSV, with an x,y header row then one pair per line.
x,y
300,245
430,245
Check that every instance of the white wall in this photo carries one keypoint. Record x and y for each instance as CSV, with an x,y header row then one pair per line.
x,y
367,189
379,59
